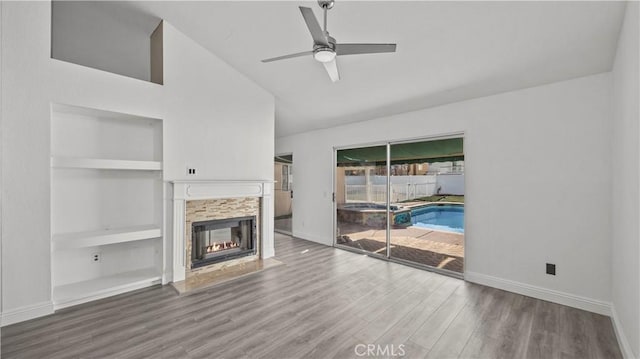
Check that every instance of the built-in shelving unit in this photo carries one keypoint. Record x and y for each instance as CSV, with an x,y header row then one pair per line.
x,y
106,203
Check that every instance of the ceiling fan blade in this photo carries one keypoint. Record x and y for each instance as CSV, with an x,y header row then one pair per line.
x,y
288,56
332,70
355,49
314,27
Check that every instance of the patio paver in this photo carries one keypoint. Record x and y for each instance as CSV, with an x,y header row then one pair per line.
x,y
433,248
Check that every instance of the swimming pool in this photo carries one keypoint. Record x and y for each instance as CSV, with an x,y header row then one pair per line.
x,y
439,217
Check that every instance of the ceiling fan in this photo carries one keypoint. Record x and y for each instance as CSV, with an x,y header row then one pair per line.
x,y
325,48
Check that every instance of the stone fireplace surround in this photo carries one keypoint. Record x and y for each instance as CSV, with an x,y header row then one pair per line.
x,y
244,195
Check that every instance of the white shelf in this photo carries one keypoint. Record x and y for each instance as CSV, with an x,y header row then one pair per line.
x,y
104,237
107,169
94,112
81,292
95,163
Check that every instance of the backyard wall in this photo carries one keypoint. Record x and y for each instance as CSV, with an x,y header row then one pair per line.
x,y
625,260
214,118
536,184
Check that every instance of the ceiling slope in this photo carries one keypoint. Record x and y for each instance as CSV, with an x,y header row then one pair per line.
x,y
447,51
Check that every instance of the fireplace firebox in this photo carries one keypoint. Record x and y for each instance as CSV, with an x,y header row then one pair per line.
x,y
220,240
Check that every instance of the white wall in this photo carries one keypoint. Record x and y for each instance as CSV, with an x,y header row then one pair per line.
x,y
219,121
626,185
84,33
214,119
543,209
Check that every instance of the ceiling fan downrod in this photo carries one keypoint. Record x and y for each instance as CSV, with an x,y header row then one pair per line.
x,y
325,19
326,5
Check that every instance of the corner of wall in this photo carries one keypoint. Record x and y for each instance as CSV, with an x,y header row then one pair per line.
x,y
625,111
625,348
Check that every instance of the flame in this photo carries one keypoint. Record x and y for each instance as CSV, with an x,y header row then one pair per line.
x,y
221,246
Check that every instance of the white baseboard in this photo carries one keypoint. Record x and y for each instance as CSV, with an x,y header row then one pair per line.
x,y
313,238
550,295
286,233
21,314
625,348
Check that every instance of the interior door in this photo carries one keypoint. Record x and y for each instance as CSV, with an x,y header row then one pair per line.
x,y
283,193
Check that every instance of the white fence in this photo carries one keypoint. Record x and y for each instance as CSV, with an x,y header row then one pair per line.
x,y
450,183
402,187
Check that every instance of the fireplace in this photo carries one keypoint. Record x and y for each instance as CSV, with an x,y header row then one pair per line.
x,y
204,201
222,239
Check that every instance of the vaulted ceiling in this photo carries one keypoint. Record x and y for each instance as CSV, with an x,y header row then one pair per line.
x,y
447,51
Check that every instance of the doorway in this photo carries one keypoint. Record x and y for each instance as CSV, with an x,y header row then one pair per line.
x,y
283,193
404,202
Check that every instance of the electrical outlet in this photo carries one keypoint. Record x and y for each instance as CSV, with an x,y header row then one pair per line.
x,y
551,269
191,171
96,257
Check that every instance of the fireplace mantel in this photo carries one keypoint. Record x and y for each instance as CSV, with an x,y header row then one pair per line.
x,y
201,190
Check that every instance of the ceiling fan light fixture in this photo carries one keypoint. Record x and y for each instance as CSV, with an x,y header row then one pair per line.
x,y
324,55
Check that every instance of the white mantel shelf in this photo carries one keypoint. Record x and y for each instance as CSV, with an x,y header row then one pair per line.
x,y
194,190
215,189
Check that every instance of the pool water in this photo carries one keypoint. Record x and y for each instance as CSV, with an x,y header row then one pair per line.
x,y
446,218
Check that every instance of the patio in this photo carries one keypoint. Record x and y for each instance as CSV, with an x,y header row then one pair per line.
x,y
437,249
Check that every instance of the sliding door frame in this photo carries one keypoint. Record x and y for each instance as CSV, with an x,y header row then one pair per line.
x,y
387,256
335,203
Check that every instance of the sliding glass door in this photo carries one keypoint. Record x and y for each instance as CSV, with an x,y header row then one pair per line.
x,y
361,199
427,187
403,201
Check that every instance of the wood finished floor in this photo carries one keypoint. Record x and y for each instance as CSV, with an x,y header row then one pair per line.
x,y
320,304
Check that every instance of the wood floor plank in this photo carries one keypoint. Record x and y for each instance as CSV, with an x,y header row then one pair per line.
x,y
505,333
408,325
390,313
321,303
545,329
455,337
429,333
